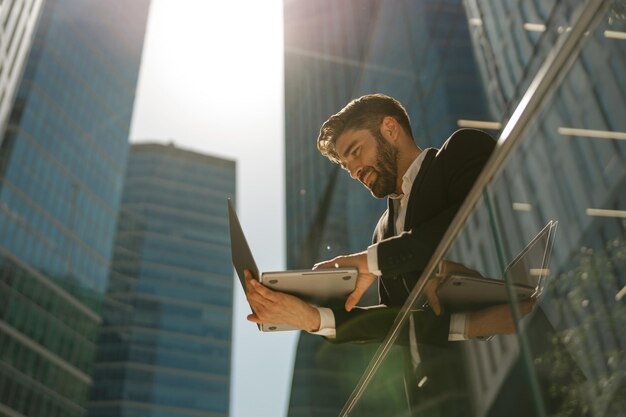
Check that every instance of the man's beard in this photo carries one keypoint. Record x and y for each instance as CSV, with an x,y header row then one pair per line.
x,y
385,168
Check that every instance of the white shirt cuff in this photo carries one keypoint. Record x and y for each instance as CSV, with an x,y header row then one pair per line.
x,y
372,259
327,323
457,327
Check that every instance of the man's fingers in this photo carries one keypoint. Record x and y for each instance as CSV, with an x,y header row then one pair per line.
x,y
257,301
325,264
248,277
431,295
264,292
254,286
363,282
258,295
354,297
351,301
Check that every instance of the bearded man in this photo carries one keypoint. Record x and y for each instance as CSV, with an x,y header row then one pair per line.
x,y
372,139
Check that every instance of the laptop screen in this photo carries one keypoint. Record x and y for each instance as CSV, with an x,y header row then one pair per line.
x,y
531,266
239,249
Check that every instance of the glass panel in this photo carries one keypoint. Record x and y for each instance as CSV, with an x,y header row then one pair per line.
x,y
386,394
571,166
540,262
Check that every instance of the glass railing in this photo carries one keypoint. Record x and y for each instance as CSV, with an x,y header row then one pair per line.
x,y
560,160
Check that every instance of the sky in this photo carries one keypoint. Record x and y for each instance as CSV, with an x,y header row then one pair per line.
x,y
211,81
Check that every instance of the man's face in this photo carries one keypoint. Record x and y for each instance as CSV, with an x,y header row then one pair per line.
x,y
369,158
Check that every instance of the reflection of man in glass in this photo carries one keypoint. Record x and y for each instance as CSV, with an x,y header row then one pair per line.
x,y
371,138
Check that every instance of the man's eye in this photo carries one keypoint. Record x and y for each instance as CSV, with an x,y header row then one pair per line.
x,y
356,151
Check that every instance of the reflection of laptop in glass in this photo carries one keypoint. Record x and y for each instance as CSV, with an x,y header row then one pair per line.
x,y
463,289
314,287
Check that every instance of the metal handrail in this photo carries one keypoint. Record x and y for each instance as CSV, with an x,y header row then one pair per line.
x,y
560,58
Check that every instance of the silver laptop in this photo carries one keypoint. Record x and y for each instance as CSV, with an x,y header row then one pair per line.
x,y
528,273
315,287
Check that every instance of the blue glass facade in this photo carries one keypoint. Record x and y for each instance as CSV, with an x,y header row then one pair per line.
x,y
418,51
165,345
62,162
64,154
18,23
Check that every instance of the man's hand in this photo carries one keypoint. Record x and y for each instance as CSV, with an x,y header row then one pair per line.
x,y
431,294
279,308
496,319
446,268
363,280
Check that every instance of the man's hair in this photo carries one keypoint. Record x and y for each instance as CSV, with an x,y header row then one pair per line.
x,y
366,112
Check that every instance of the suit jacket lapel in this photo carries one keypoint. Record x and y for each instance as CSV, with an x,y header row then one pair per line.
x,y
413,198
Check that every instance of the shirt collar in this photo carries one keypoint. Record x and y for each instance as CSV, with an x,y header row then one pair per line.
x,y
409,177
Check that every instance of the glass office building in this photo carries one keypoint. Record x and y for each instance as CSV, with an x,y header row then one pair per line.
x,y
18,20
62,161
165,344
417,51
554,78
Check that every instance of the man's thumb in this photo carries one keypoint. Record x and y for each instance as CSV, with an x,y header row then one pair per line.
x,y
431,295
353,298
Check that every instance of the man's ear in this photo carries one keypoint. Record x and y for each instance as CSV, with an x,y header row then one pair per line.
x,y
389,128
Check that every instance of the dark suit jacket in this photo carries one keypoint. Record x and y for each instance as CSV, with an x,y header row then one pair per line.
x,y
442,183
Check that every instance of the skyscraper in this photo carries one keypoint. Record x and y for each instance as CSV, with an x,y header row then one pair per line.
x,y
62,161
18,20
165,344
417,51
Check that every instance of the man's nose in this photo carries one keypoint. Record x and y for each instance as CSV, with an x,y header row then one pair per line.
x,y
354,170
